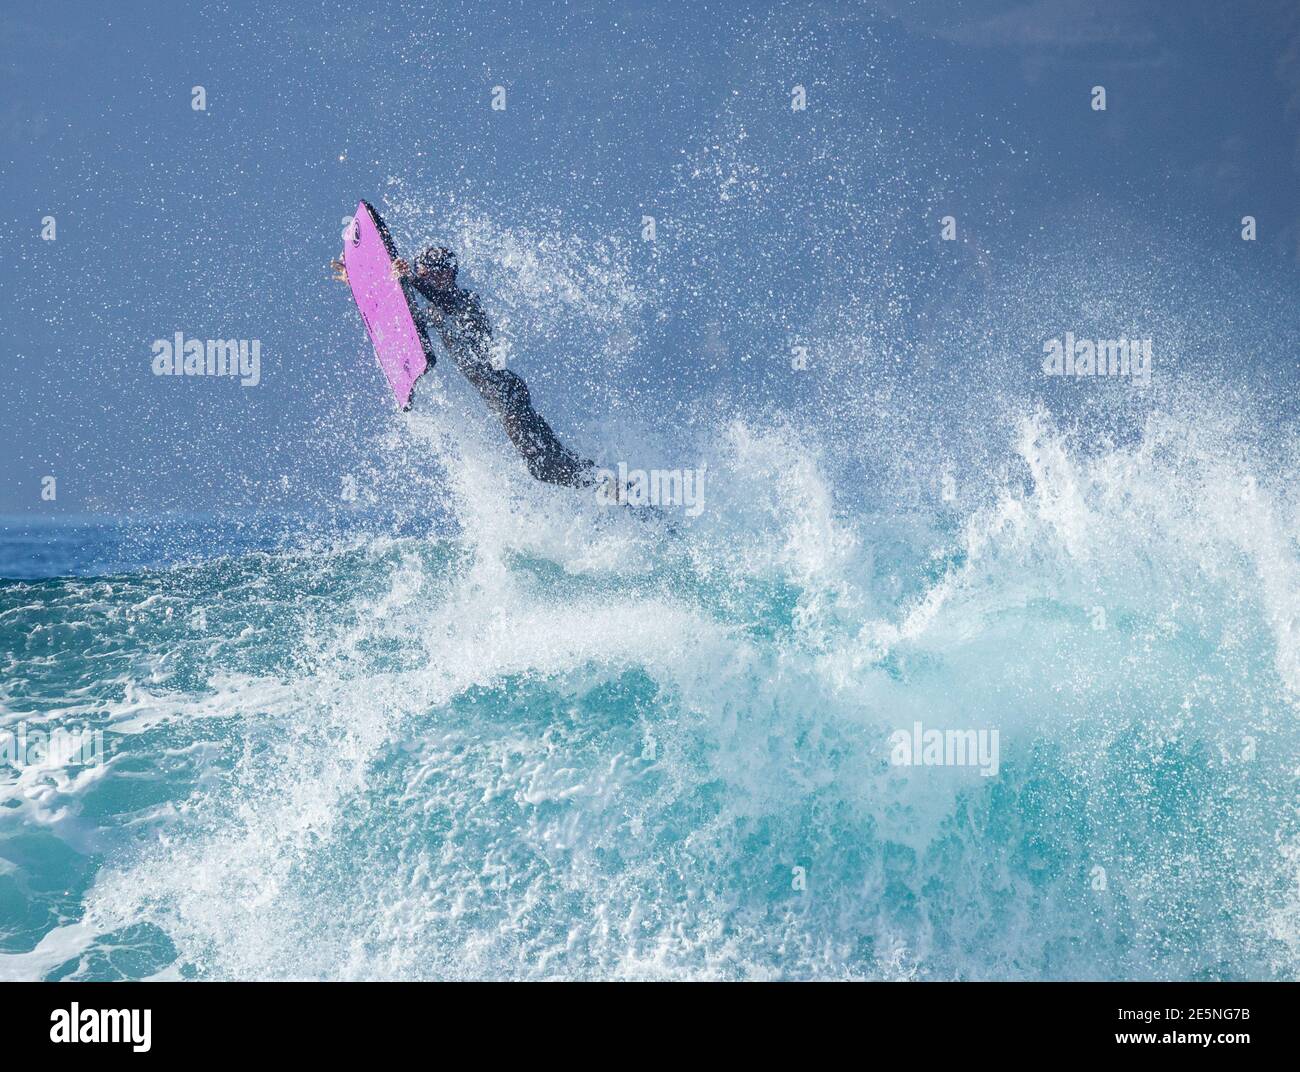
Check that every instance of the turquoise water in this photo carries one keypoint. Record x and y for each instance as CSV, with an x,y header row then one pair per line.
x,y
538,739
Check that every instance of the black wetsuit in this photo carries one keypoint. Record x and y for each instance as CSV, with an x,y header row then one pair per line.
x,y
456,315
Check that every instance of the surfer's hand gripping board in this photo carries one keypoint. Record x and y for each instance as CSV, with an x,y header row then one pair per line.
x,y
369,267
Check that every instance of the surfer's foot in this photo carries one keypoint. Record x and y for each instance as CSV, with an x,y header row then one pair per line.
x,y
340,272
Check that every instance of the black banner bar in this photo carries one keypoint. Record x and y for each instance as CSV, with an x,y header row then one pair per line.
x,y
335,1020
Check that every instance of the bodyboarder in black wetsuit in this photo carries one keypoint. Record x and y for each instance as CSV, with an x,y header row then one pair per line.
x,y
458,318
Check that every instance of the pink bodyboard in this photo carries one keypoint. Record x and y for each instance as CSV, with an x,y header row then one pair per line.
x,y
400,347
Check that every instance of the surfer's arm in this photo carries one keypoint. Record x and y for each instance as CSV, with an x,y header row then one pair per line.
x,y
340,272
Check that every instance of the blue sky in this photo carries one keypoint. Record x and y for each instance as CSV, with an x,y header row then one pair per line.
x,y
773,224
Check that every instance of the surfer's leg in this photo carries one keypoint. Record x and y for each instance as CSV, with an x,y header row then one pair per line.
x,y
507,396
